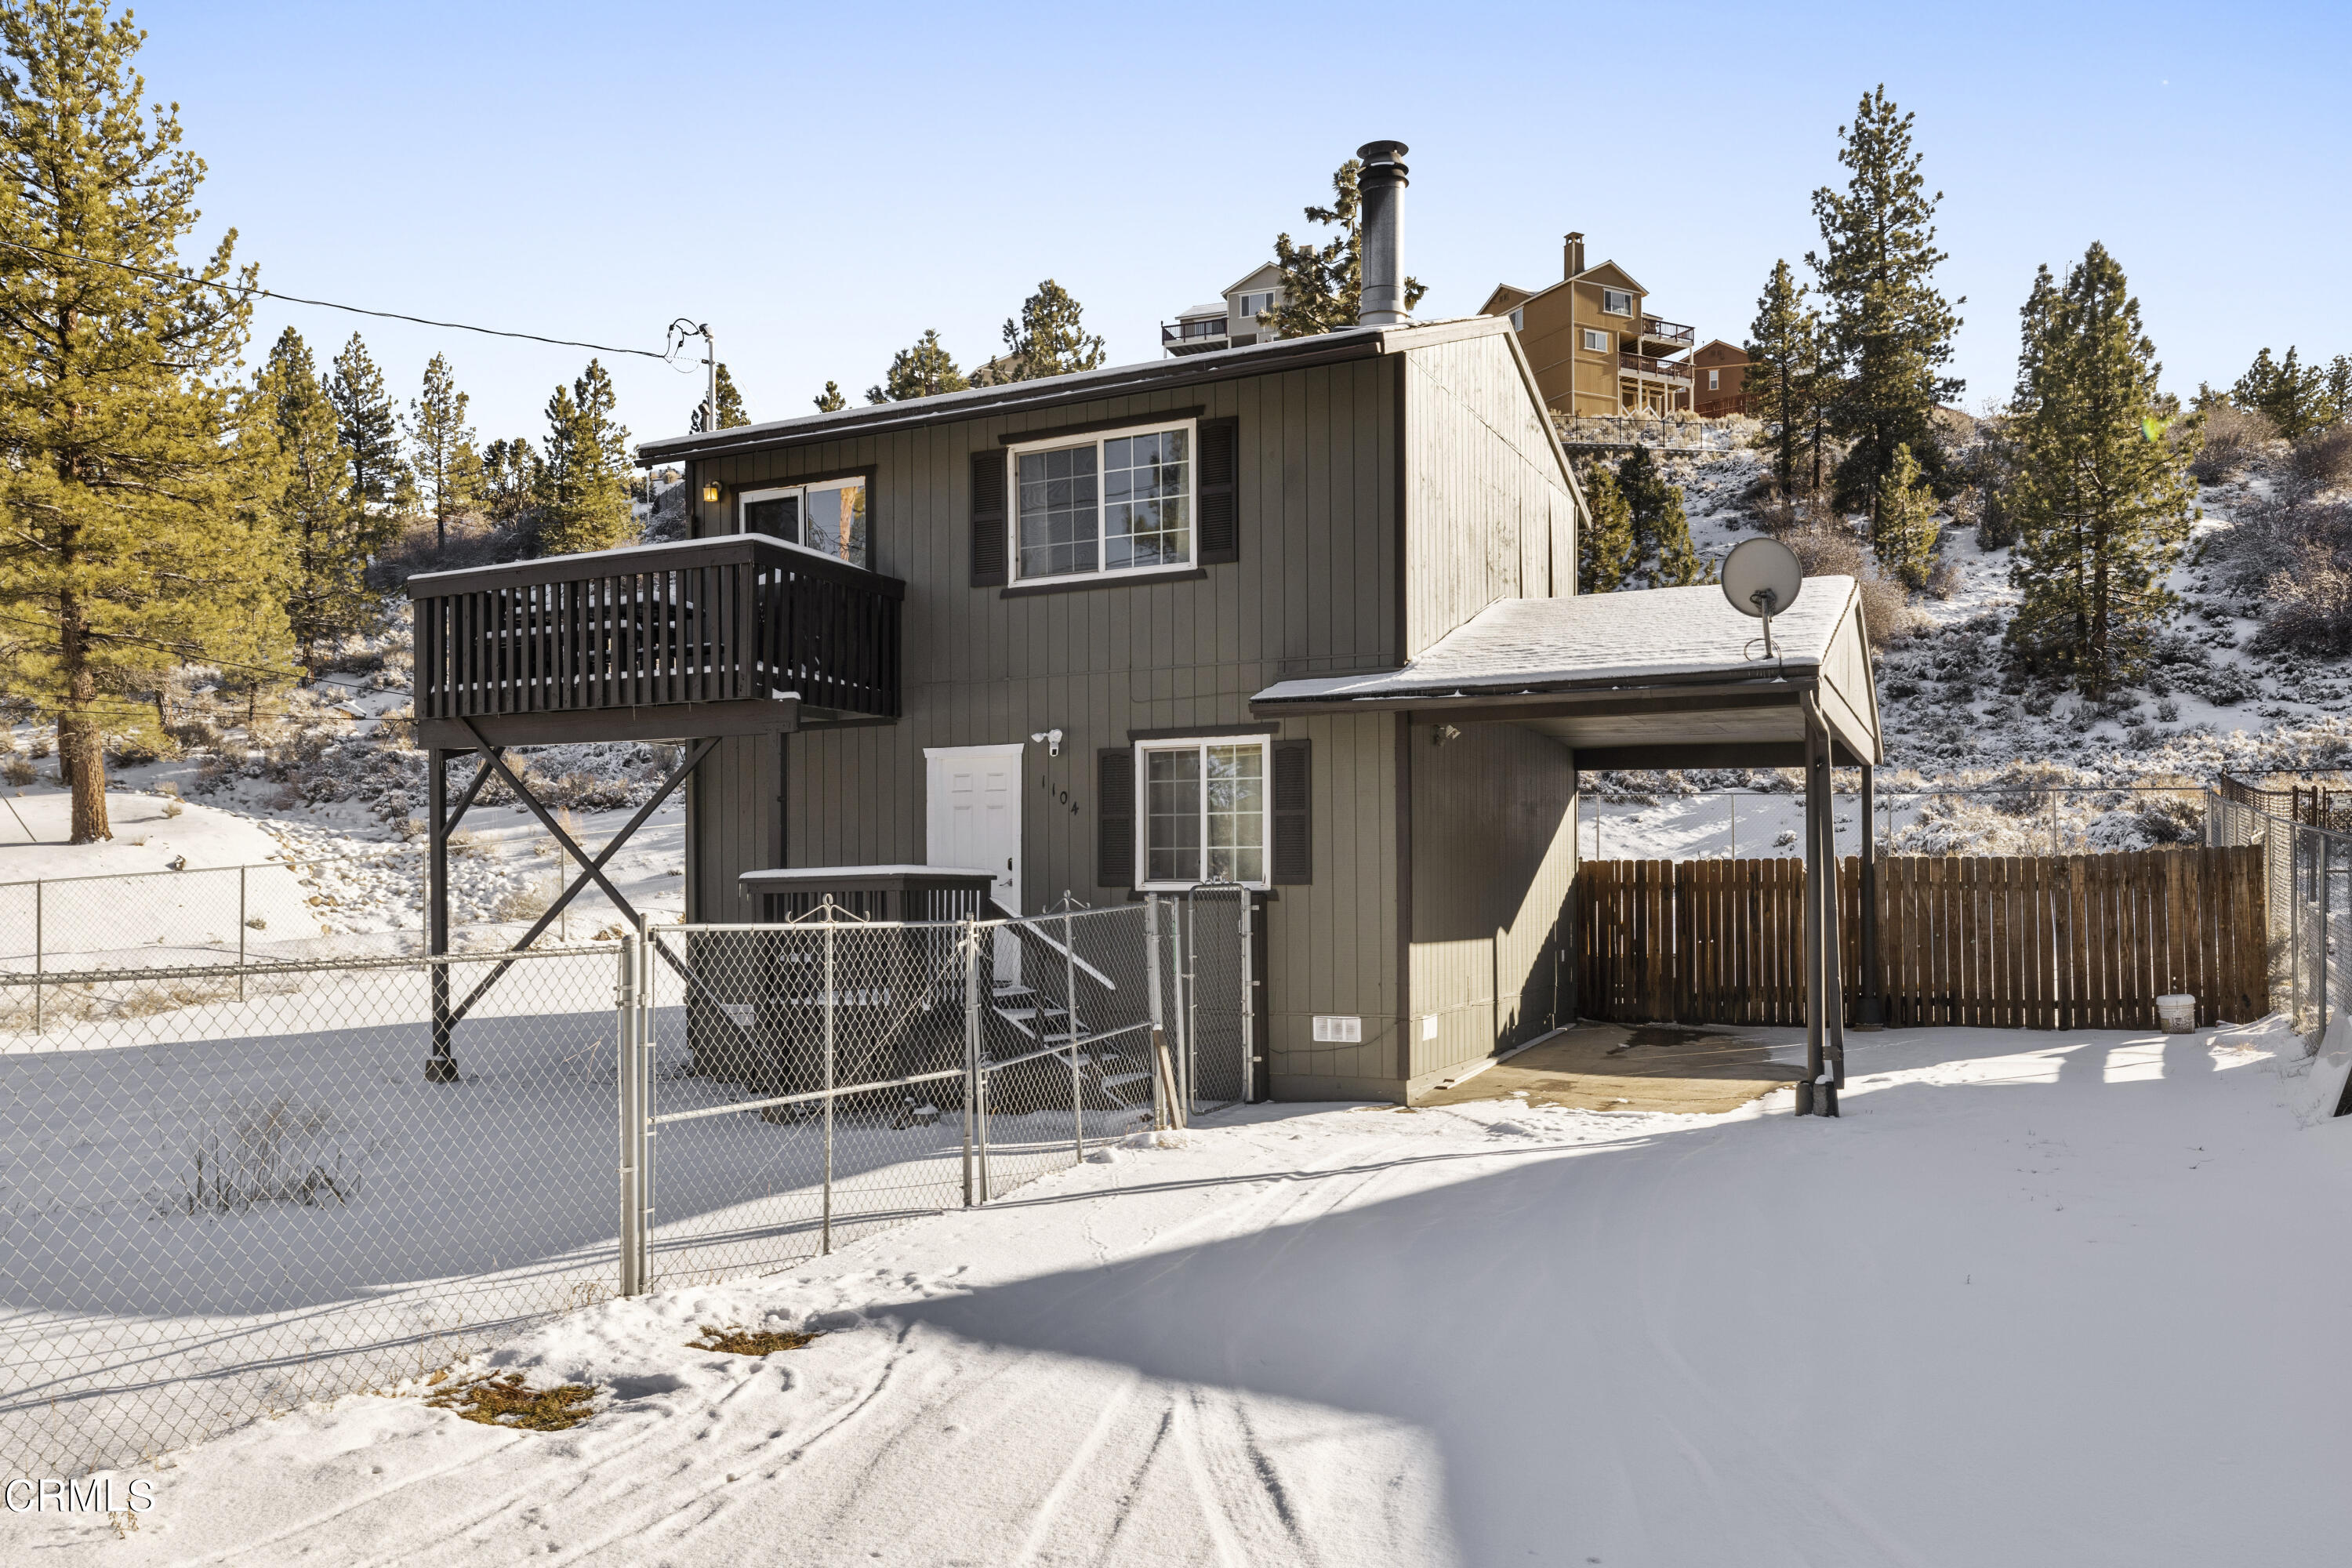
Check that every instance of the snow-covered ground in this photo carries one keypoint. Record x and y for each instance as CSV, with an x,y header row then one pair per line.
x,y
311,887
2035,1299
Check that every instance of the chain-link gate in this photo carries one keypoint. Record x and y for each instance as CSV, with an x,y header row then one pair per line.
x,y
1215,924
228,1190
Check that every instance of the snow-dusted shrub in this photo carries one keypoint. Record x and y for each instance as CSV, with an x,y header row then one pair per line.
x,y
17,769
2170,819
588,792
2310,607
2223,685
522,903
2232,438
2272,537
1946,581
1831,549
277,1150
2323,460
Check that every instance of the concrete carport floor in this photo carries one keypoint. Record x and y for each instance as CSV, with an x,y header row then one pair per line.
x,y
1641,1066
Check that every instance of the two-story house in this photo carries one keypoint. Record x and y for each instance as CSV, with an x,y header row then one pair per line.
x,y
1594,345
1719,379
1274,615
1229,322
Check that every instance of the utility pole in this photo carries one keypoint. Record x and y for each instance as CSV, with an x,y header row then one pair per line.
x,y
679,331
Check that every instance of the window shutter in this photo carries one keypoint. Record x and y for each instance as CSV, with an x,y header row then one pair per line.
x,y
1115,817
1294,838
1221,525
988,519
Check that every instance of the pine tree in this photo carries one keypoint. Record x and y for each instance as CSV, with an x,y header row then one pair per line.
x,y
1322,286
310,501
1784,376
1890,333
1605,556
370,426
510,481
447,467
132,538
2336,398
582,495
1908,528
830,400
1661,533
730,401
925,370
2101,505
1048,338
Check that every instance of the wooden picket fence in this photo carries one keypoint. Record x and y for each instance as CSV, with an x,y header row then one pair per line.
x,y
2008,941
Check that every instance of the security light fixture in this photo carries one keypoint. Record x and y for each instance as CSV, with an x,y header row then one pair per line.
x,y
1051,740
710,494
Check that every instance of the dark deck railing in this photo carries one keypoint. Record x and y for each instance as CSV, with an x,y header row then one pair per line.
x,y
1671,331
1643,364
711,620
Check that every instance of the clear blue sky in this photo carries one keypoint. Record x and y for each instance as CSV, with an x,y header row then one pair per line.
x,y
824,182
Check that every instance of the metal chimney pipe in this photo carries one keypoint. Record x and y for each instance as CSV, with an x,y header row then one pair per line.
x,y
1380,183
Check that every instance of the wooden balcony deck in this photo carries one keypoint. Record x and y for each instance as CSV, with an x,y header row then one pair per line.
x,y
735,635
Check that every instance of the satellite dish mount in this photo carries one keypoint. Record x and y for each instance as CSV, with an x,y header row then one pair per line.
x,y
1761,577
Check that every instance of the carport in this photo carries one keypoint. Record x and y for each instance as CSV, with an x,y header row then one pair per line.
x,y
1671,677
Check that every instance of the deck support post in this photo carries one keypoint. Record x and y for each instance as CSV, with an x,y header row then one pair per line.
x,y
1872,1011
441,1063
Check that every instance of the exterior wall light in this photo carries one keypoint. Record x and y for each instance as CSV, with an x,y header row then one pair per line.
x,y
710,494
1051,740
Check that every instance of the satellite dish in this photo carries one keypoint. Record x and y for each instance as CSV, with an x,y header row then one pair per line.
x,y
1761,577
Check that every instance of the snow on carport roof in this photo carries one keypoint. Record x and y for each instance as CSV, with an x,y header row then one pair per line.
x,y
1635,638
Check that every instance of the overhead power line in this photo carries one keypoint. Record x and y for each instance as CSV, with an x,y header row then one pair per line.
x,y
235,292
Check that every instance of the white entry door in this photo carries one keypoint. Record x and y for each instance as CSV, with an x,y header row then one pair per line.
x,y
973,822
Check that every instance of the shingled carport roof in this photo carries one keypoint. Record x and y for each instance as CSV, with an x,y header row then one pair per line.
x,y
1599,672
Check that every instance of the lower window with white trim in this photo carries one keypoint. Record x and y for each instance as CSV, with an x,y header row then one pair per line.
x,y
1203,808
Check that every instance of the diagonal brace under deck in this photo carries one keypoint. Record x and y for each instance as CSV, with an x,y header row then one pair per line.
x,y
592,869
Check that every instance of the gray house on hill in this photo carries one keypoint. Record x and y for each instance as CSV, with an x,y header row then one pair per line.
x,y
1126,557
1246,616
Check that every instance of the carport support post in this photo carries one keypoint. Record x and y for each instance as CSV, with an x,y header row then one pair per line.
x,y
441,1064
1817,1095
1873,1011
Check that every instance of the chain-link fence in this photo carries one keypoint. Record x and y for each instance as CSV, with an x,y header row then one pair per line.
x,y
228,1189
812,1081
2307,871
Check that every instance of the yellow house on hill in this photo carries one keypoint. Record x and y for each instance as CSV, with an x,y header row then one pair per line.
x,y
1594,346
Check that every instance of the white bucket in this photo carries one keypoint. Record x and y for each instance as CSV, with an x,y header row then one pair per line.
x,y
2177,1014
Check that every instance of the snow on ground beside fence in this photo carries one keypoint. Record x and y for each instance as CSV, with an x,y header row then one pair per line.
x,y
2022,1303
307,890
246,1183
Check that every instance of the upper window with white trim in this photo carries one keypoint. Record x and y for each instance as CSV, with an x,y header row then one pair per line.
x,y
1616,301
1518,319
1117,502
1597,342
1204,812
826,519
1249,306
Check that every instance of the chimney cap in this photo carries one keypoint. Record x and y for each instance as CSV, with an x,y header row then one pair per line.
x,y
1382,151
